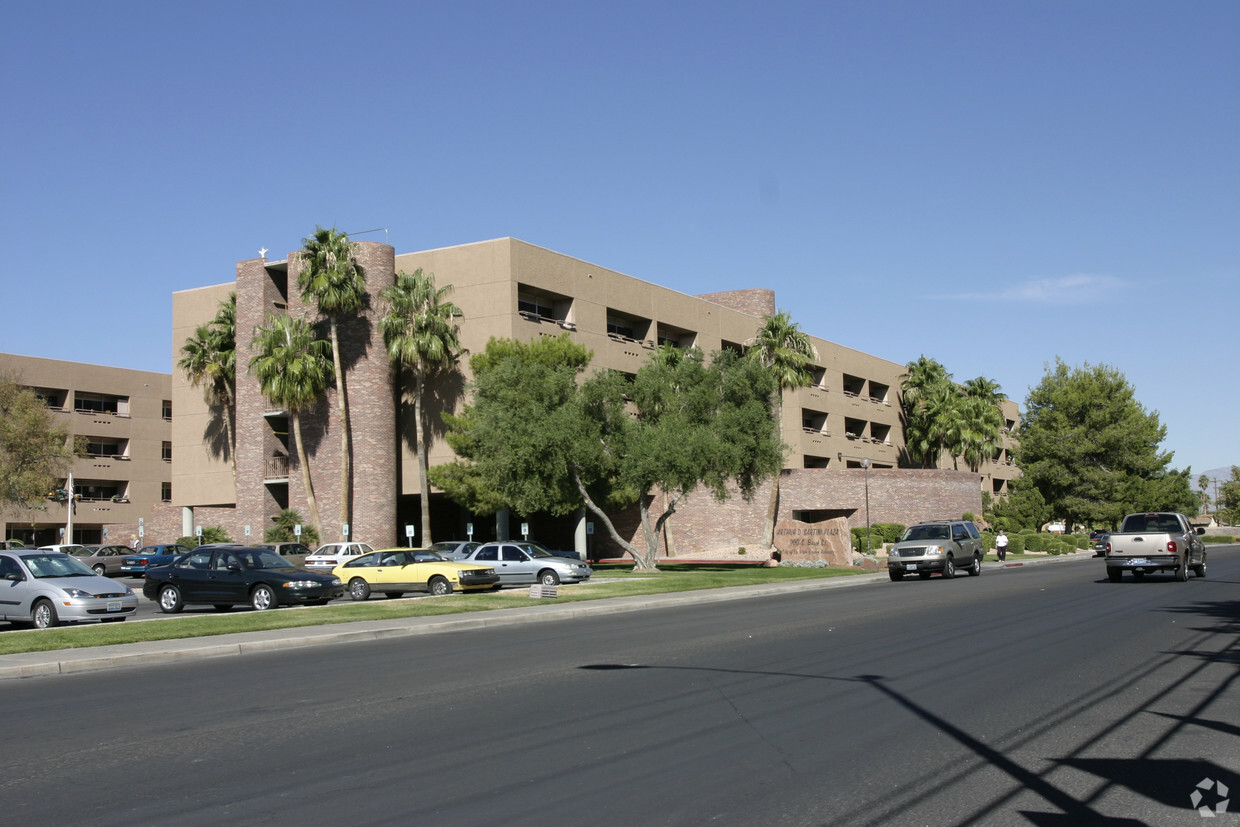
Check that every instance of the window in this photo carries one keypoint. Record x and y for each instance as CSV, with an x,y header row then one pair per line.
x,y
167,452
101,403
536,304
853,385
167,410
102,446
166,492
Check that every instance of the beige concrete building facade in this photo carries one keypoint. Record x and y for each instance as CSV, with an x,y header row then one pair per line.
x,y
509,288
123,418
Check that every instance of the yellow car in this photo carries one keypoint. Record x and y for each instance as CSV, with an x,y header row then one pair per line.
x,y
395,571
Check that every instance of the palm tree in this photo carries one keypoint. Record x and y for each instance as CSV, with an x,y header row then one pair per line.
x,y
784,350
926,392
293,372
981,424
420,334
1203,482
332,279
209,360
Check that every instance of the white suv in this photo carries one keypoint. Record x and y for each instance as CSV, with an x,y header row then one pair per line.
x,y
938,545
330,555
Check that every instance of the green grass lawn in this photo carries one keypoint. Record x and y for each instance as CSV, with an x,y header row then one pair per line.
x,y
611,580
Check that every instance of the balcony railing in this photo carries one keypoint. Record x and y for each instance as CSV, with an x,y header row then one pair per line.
x,y
275,468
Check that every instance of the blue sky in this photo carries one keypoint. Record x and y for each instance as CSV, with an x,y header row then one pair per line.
x,y
992,184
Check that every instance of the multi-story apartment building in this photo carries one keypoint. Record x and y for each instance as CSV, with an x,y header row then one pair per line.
x,y
123,420
505,288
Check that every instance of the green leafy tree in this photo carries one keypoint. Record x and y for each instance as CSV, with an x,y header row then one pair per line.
x,y
545,442
421,336
35,454
1023,509
552,366
332,279
209,360
285,529
1228,504
1092,450
293,371
786,352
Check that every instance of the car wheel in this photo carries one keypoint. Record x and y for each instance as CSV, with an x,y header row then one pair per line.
x,y
548,578
949,568
976,568
1200,570
262,598
43,616
895,575
439,586
1181,571
101,570
223,607
170,601
359,589
394,595
1115,574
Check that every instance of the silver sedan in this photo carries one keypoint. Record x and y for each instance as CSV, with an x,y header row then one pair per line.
x,y
45,588
518,562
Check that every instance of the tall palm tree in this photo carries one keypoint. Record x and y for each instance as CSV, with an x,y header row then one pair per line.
x,y
421,335
981,424
924,379
209,360
1203,482
293,371
333,280
784,350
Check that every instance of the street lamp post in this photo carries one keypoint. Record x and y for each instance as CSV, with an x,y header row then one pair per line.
x,y
865,464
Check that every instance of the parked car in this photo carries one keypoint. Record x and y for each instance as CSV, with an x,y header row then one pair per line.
x,y
105,560
63,548
226,576
937,545
1100,544
285,549
395,571
47,588
136,563
13,544
326,557
518,562
454,549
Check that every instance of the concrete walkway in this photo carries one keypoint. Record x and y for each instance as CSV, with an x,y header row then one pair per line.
x,y
66,661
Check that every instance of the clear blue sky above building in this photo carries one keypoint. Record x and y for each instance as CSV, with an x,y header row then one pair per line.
x,y
992,184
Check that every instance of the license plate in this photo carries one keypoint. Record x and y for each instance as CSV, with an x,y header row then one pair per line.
x,y
1139,561
114,605
910,566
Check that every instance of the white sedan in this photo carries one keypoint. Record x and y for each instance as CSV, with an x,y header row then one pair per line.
x,y
329,555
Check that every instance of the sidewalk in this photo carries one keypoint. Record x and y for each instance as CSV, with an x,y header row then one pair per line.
x,y
67,661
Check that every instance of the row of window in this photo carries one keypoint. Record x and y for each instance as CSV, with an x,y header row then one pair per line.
x,y
102,446
99,491
818,422
58,399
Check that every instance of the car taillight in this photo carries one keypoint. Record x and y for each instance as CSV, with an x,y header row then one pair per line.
x,y
1171,546
1108,548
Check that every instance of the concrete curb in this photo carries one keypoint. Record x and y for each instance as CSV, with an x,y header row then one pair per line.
x,y
71,661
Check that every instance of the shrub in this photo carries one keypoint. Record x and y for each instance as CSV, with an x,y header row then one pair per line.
x,y
284,530
210,534
889,532
1016,543
1217,539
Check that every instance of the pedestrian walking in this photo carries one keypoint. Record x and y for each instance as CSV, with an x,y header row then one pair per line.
x,y
1001,544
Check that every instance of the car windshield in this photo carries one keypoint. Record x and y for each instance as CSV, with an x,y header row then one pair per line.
x,y
926,532
264,559
535,551
56,565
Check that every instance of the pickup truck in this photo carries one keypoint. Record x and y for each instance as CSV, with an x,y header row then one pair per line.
x,y
1159,541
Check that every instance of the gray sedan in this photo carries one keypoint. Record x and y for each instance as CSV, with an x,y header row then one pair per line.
x,y
45,588
105,560
517,562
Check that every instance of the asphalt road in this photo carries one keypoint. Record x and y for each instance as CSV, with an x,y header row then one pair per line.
x,y
1037,695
